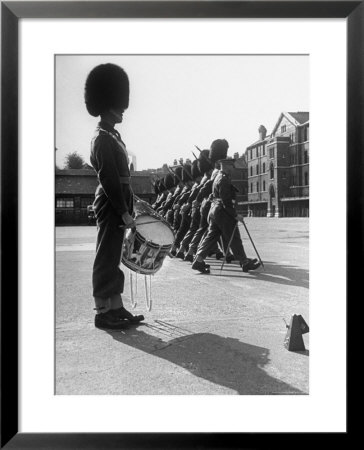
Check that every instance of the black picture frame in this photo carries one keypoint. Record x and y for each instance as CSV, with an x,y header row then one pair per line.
x,y
11,13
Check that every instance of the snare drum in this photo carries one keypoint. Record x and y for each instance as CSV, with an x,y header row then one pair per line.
x,y
144,250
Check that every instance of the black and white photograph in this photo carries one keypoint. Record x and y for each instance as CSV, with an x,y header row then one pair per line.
x,y
182,208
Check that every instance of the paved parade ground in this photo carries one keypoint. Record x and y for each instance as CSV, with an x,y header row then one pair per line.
x,y
212,334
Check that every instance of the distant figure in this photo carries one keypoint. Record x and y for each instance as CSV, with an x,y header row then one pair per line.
x,y
107,96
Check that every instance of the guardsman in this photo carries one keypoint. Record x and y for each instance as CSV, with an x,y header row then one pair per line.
x,y
218,150
107,96
223,221
204,169
182,198
186,209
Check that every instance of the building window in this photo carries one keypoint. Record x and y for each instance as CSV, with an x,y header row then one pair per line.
x,y
271,152
283,128
251,154
271,171
64,203
251,171
263,150
284,175
305,134
263,167
257,186
306,178
305,157
263,185
257,169
251,187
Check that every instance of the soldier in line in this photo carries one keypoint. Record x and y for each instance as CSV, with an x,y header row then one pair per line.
x,y
182,198
162,194
169,183
166,210
223,221
218,150
187,206
205,168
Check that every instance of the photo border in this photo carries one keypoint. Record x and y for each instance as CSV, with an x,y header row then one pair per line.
x,y
11,13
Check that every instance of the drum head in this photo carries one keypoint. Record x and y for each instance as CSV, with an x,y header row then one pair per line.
x,y
154,230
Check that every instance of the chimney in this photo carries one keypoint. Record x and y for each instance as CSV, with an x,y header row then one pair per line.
x,y
262,132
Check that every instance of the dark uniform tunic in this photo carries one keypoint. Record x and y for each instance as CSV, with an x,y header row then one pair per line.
x,y
222,219
113,198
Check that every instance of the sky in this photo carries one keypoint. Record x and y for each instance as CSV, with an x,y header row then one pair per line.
x,y
179,101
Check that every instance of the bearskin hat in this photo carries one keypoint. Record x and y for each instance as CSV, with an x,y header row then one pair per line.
x,y
218,149
195,171
186,173
204,163
169,181
178,171
107,87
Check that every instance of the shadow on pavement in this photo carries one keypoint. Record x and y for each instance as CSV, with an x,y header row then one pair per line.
x,y
273,273
224,361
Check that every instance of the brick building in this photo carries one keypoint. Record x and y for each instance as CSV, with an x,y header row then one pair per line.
x,y
278,169
75,190
239,179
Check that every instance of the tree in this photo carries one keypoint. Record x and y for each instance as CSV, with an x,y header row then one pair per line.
x,y
74,161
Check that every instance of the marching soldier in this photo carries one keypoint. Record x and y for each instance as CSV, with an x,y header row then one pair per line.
x,y
218,150
222,222
186,216
205,167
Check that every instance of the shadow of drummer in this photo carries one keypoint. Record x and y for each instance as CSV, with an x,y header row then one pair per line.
x,y
224,361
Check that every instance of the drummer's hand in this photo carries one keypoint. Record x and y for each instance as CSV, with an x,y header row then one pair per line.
x,y
128,220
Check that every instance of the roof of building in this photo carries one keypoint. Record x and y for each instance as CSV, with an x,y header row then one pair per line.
x,y
300,116
76,183
83,181
76,172
296,118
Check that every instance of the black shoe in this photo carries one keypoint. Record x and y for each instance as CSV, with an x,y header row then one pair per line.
x,y
250,264
124,314
180,255
173,252
229,259
110,321
219,255
201,266
188,257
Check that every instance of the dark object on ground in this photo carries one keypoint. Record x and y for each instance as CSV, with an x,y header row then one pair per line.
x,y
293,340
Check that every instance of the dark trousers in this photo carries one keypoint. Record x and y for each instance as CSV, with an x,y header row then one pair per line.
x,y
183,228
195,222
176,220
221,224
107,278
202,228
